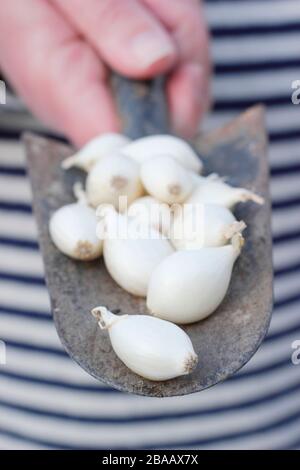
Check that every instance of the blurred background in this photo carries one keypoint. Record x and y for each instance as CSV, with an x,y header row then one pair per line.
x,y
47,401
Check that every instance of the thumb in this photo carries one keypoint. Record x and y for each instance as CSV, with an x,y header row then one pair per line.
x,y
126,34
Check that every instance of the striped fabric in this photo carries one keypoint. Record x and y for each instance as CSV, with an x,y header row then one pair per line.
x,y
47,401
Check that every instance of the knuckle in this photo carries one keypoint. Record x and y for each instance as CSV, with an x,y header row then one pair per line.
x,y
113,12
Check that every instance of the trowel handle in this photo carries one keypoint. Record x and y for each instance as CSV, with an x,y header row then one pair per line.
x,y
142,105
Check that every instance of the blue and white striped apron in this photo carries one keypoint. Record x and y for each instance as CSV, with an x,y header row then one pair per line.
x,y
46,400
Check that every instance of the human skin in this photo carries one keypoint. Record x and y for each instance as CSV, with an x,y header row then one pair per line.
x,y
58,54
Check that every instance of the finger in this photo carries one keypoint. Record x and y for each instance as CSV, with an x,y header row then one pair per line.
x,y
186,21
126,34
188,87
188,99
57,74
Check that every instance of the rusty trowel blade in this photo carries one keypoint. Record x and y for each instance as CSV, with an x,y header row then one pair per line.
x,y
227,339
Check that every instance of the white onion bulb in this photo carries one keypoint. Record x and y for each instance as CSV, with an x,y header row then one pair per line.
x,y
148,147
111,178
203,225
152,348
148,210
213,190
73,229
190,285
166,180
98,148
131,255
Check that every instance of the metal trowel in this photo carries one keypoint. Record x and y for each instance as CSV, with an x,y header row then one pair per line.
x,y
226,340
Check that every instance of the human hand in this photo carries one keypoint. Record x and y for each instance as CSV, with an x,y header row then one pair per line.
x,y
58,53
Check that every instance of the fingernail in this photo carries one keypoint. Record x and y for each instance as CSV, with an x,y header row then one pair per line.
x,y
151,47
